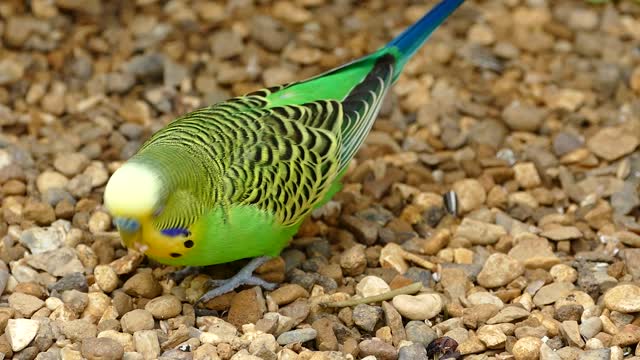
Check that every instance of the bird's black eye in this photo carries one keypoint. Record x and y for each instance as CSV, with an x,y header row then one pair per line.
x,y
188,244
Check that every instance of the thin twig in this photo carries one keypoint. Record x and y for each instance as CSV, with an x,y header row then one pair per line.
x,y
406,290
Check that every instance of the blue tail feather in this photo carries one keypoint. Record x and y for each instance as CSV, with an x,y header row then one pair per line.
x,y
409,41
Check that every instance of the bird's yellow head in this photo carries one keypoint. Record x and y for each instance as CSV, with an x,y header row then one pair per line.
x,y
132,196
137,199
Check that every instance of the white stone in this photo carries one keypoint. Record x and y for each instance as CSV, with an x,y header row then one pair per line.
x,y
21,332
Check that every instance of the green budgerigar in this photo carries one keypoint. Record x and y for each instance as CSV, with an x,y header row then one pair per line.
x,y
236,179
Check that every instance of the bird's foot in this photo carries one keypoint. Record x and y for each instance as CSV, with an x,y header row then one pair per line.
x,y
243,277
182,274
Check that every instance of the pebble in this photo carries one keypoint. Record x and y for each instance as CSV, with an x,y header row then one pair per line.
x,y
627,336
50,180
297,336
99,222
412,352
70,164
353,261
147,344
534,253
611,143
377,348
25,304
624,298
527,175
590,327
326,339
247,307
563,273
11,71
520,116
79,329
492,336
561,233
372,286
571,332
366,316
481,297
137,320
287,294
527,348
393,319
40,240
479,232
499,270
269,33
508,314
628,238
551,293
418,307
226,44
164,307
471,194
101,349
596,354
419,332
97,305
20,332
106,278
142,284
73,281
58,262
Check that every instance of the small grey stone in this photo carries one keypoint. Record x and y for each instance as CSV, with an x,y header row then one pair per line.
x,y
523,117
173,73
41,240
566,142
226,44
597,354
419,332
131,130
147,65
269,33
627,199
77,301
101,349
59,262
419,275
71,281
413,352
366,316
53,196
80,186
119,82
81,67
297,336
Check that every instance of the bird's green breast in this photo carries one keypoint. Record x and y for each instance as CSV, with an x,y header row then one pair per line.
x,y
243,232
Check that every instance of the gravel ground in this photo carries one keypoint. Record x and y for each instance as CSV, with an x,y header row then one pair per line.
x,y
527,110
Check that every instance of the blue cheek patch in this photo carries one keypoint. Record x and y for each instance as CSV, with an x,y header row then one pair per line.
x,y
176,232
126,224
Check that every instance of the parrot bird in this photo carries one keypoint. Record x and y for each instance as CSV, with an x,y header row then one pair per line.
x,y
235,180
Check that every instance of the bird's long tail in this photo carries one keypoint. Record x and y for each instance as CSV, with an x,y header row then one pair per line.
x,y
410,40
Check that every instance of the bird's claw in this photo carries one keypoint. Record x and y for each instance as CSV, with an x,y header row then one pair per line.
x,y
243,277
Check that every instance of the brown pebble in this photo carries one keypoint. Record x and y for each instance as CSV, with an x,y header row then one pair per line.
x,y
247,307
101,349
326,339
142,284
288,294
378,348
